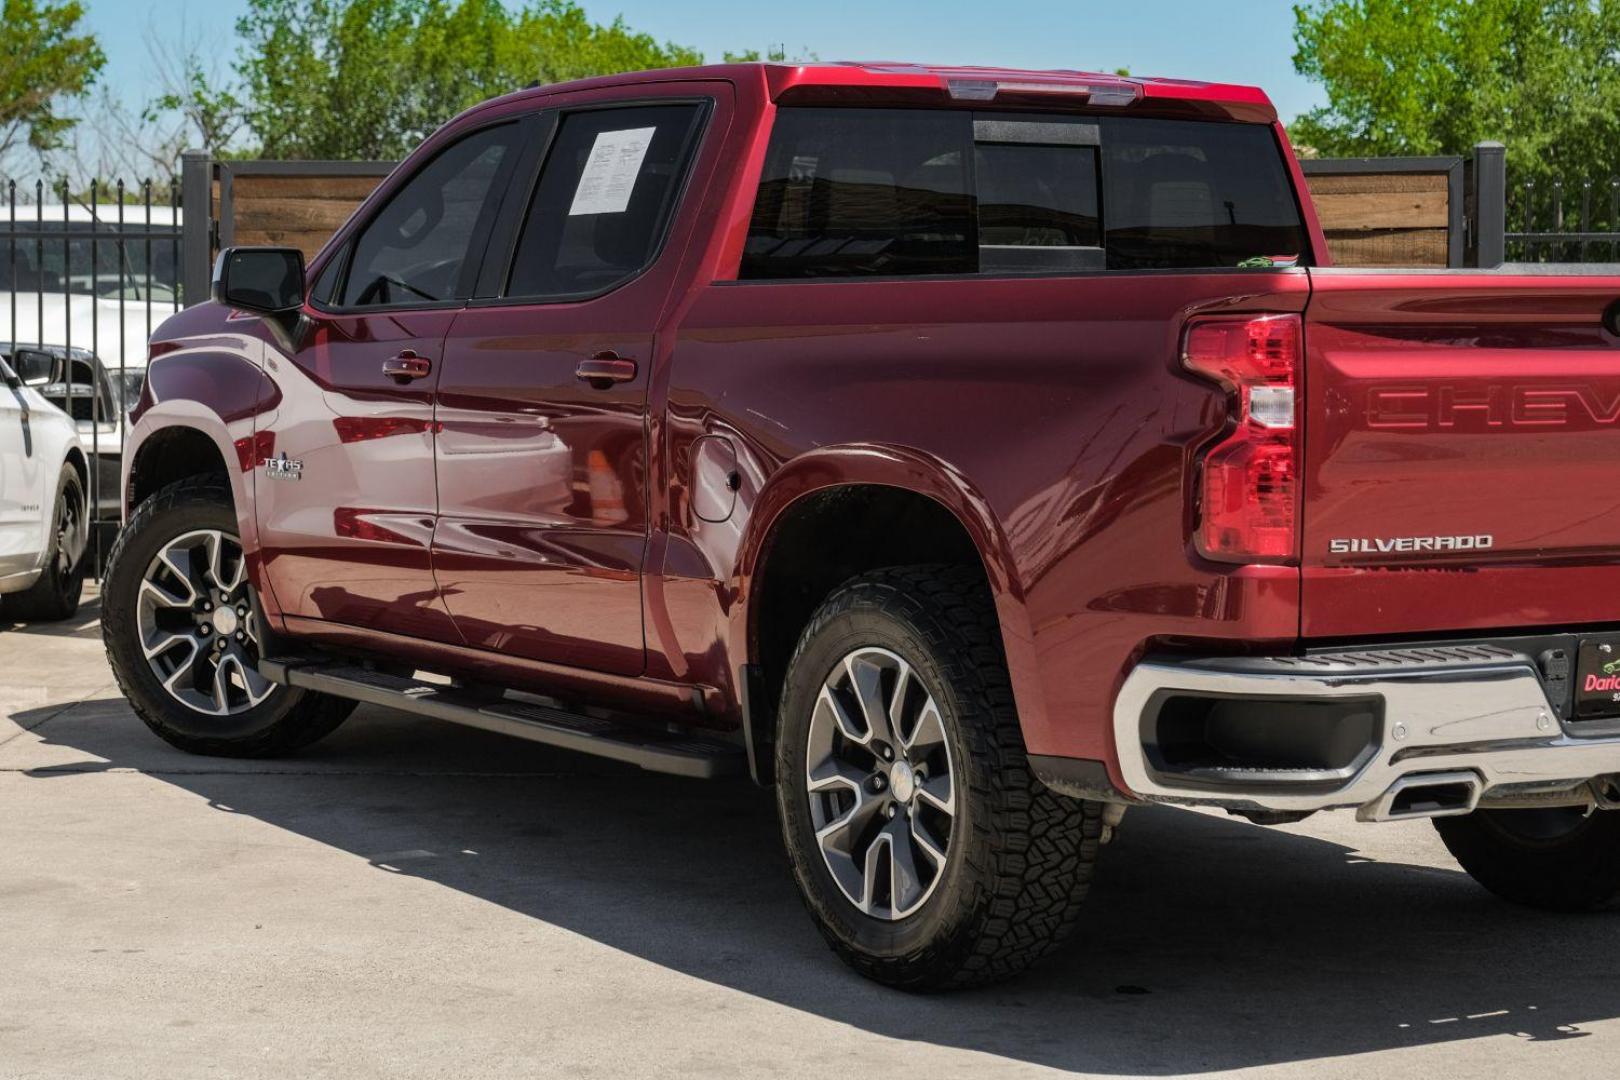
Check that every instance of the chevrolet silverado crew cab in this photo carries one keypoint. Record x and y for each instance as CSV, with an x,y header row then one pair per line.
x,y
969,454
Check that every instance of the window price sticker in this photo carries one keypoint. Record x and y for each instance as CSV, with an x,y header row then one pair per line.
x,y
611,171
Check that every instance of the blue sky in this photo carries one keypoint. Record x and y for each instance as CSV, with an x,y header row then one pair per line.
x,y
1246,41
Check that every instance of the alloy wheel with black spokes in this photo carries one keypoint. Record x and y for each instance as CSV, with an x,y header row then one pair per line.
x,y
878,773
198,629
926,851
184,636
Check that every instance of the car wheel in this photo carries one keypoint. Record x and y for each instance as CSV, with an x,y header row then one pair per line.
x,y
926,851
1558,858
55,596
182,632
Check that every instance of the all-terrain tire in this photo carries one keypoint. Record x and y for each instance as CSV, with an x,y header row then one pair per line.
x,y
1019,858
287,720
55,596
1554,859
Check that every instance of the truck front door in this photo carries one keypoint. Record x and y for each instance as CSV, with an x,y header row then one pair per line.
x,y
345,492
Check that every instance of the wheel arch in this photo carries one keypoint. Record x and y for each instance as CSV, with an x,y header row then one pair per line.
x,y
81,465
914,507
181,439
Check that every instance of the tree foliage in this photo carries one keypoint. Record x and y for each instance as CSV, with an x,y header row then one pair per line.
x,y
45,63
210,113
369,79
773,54
1437,76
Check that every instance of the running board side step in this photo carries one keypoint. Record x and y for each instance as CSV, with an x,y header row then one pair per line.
x,y
680,754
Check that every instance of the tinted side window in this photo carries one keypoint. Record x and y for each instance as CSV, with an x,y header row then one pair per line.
x,y
848,191
1186,194
604,198
416,249
864,192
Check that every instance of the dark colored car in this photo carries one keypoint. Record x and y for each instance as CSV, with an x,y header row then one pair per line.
x,y
970,454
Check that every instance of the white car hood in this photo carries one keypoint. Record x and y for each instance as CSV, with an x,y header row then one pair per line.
x,y
84,322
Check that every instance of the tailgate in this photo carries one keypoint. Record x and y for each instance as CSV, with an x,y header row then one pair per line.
x,y
1462,453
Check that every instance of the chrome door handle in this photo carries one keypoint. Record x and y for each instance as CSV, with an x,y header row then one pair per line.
x,y
603,370
407,366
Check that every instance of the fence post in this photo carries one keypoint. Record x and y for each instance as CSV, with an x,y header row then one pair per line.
x,y
197,206
1490,204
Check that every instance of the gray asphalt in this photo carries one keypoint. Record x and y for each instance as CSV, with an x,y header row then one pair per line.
x,y
415,900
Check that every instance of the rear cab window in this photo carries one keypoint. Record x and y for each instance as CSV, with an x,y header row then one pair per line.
x,y
851,192
1196,194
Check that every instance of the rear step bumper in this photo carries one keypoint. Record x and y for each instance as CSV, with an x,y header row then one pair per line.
x,y
626,740
1393,733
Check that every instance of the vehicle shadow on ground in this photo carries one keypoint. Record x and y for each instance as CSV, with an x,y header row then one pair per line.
x,y
1207,944
86,622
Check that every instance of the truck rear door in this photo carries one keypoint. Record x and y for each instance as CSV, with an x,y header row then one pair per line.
x,y
1462,453
542,450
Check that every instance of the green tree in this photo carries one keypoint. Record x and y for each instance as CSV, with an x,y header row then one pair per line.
x,y
1437,76
371,78
211,114
45,62
774,54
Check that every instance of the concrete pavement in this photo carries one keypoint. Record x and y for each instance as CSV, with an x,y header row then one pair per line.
x,y
415,900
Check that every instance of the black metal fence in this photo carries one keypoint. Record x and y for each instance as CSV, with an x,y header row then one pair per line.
x,y
1558,222
87,272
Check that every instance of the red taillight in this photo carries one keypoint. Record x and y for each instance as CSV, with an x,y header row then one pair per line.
x,y
1249,479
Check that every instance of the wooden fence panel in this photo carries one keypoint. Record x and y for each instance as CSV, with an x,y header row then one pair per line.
x,y
1389,211
296,211
291,203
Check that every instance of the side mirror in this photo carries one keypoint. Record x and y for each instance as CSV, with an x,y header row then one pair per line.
x,y
34,368
263,280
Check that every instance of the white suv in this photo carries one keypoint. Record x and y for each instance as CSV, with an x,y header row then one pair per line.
x,y
43,520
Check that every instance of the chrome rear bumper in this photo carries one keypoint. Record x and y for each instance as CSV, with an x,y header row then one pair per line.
x,y
1470,725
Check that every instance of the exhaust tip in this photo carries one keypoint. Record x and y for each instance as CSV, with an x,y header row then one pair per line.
x,y
1425,795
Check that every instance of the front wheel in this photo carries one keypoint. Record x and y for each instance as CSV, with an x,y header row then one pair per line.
x,y
1557,859
927,852
183,637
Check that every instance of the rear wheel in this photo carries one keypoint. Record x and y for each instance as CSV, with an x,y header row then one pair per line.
x,y
927,852
183,635
1558,859
55,596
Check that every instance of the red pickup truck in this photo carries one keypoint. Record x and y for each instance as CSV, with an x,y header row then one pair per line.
x,y
970,454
